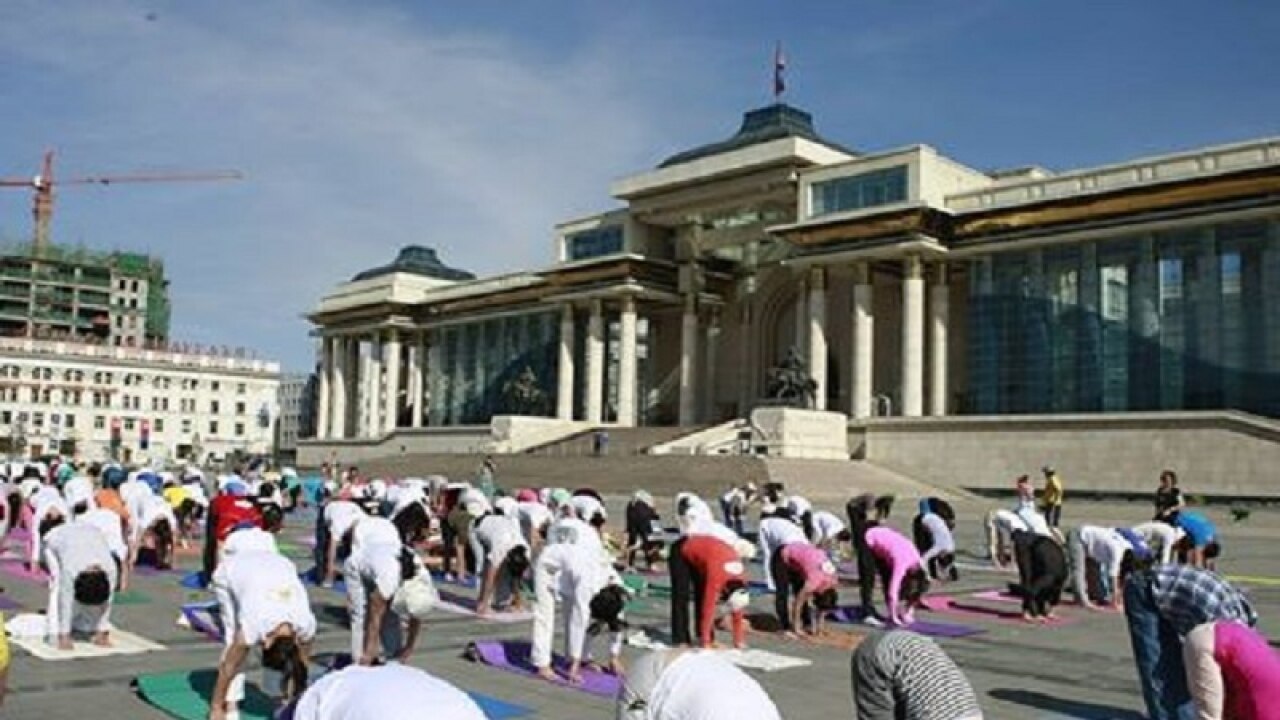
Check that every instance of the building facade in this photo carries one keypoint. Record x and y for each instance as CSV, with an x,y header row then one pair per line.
x,y
909,284
296,417
113,298
96,402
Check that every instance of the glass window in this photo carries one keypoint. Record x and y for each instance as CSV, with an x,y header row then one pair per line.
x,y
879,187
594,243
69,421
213,427
129,423
240,407
99,422
158,425
214,407
239,429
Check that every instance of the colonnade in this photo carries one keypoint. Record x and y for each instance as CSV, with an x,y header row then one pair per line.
x,y
361,392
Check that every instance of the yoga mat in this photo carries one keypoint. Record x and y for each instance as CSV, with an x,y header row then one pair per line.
x,y
191,581
18,570
123,643
8,603
513,656
751,659
439,577
996,596
131,597
152,570
496,709
462,605
184,695
309,577
946,604
201,617
639,584
850,615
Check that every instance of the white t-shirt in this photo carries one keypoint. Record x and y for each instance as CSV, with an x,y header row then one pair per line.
x,y
133,492
267,592
112,528
78,490
939,532
252,539
377,562
704,686
1105,546
374,530
153,509
798,505
388,692
826,525
496,535
1162,536
1007,521
341,515
532,517
587,507
1034,520
776,532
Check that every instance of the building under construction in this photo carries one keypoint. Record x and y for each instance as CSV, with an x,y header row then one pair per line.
x,y
116,298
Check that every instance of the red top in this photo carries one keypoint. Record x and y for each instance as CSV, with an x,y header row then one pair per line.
x,y
717,563
1250,672
229,511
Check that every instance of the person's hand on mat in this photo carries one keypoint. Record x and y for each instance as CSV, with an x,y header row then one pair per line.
x,y
102,639
64,643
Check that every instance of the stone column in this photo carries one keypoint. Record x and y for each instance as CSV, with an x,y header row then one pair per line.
x,y
351,369
818,335
338,358
595,364
912,337
363,390
417,370
322,387
688,361
564,382
863,337
709,369
939,319
801,339
627,363
435,379
373,385
391,394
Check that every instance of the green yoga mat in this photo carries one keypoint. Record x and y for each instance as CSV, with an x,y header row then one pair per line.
x,y
642,585
184,695
131,597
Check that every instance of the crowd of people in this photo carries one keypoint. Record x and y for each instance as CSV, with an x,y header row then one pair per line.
x,y
89,528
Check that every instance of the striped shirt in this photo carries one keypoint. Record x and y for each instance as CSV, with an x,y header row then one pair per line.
x,y
1186,597
899,675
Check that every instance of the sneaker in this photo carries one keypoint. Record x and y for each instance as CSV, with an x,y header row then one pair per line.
x,y
873,621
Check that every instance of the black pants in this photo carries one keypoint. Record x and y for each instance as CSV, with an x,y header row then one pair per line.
x,y
786,583
686,585
1053,515
209,560
1042,572
857,510
321,552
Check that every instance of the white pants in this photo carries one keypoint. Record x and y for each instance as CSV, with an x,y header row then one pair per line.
x,y
62,603
549,588
227,615
1204,675
391,631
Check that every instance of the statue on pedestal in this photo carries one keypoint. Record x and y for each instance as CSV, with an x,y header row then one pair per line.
x,y
790,384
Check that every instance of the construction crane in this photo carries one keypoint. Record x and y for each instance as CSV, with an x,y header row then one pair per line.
x,y
44,183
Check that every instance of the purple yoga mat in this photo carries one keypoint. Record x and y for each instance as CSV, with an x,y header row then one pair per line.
x,y
513,656
18,569
849,615
8,603
947,604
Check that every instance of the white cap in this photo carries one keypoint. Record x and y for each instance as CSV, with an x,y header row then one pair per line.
x,y
739,599
415,598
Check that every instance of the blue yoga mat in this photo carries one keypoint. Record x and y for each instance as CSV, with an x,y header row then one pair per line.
x,y
497,709
309,577
191,581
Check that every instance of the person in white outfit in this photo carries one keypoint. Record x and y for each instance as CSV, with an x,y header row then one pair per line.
x,y
1161,537
387,692
82,576
48,510
828,530
112,528
586,586
379,564
535,520
776,531
677,684
502,558
340,517
939,557
155,520
262,603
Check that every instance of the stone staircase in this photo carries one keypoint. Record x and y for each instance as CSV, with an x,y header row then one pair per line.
x,y
622,441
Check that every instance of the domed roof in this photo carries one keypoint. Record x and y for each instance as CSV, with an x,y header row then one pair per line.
x,y
417,260
762,125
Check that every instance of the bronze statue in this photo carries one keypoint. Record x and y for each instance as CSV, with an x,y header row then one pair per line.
x,y
789,383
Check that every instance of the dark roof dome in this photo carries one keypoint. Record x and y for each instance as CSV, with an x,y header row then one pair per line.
x,y
774,122
417,260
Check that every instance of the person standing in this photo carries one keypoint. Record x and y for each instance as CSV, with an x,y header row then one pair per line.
x,y
1169,501
1162,606
1052,496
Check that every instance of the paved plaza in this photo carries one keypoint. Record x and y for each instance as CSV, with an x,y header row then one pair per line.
x,y
1082,670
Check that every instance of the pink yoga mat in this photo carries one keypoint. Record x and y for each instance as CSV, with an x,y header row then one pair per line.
x,y
851,615
513,656
18,569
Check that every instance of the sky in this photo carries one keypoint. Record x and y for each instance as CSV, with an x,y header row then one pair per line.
x,y
474,128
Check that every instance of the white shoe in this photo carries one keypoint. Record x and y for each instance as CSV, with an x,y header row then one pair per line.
x,y
873,621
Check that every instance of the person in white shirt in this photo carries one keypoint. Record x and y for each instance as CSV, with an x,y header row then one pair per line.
x,y
502,559
802,510
589,509
584,584
1113,555
112,528
378,566
249,539
535,522
776,531
387,692
81,583
262,603
78,492
155,520
1161,537
1000,526
828,530
340,518
678,684
48,510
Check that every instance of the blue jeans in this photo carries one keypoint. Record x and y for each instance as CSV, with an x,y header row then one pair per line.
x,y
1157,651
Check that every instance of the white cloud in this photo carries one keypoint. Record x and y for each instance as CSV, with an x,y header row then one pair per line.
x,y
358,130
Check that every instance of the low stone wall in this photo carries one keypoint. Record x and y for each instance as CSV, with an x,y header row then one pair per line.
x,y
462,439
795,433
517,433
1214,453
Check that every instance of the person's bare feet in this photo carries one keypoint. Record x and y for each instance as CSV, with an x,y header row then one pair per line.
x,y
102,639
64,643
546,673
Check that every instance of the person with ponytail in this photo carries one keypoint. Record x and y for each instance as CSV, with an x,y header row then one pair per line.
x,y
262,604
379,564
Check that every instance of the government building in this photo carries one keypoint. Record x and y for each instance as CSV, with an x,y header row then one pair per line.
x,y
928,300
